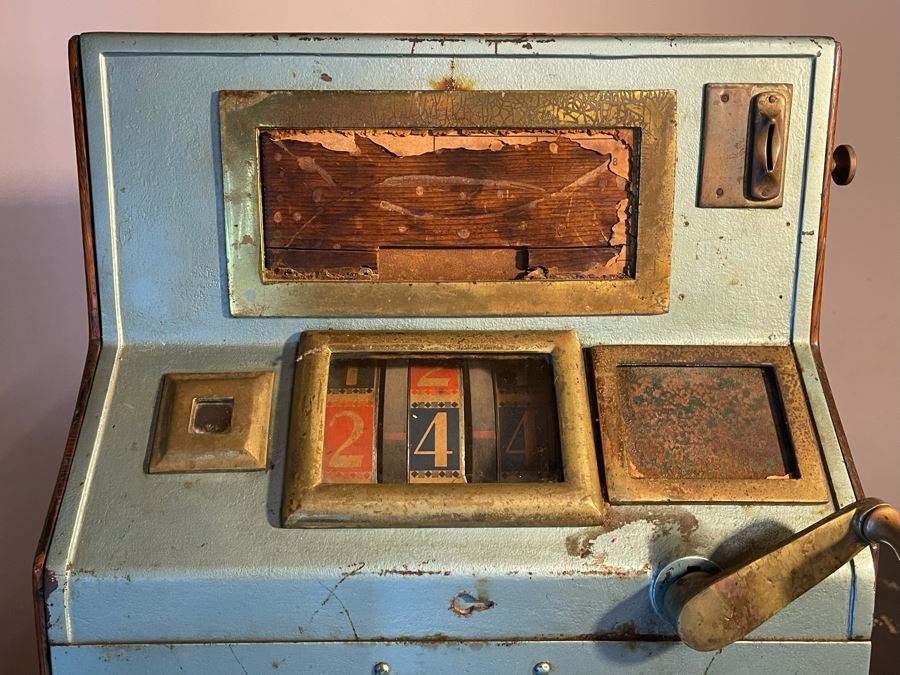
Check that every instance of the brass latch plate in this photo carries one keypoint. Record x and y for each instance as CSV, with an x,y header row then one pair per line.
x,y
745,132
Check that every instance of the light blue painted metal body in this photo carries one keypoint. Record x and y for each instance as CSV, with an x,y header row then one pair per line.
x,y
199,560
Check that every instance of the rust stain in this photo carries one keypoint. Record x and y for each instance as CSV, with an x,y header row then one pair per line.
x,y
416,40
50,583
452,81
610,571
406,572
524,41
581,543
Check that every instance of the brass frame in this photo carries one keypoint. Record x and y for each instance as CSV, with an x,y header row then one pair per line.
x,y
244,113
244,447
622,487
307,502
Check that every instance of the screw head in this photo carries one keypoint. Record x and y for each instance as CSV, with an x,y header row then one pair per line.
x,y
381,668
542,668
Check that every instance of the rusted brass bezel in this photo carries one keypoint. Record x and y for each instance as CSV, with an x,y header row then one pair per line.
x,y
307,502
623,487
244,447
244,113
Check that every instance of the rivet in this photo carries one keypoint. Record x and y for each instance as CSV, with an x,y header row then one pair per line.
x,y
381,667
724,98
719,192
542,668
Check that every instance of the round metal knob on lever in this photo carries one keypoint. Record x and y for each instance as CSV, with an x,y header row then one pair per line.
x,y
843,164
710,610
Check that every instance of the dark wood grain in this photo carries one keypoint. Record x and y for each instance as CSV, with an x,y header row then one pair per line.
x,y
545,194
818,284
595,262
442,264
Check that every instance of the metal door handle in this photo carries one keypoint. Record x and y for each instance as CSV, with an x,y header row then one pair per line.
x,y
712,609
767,145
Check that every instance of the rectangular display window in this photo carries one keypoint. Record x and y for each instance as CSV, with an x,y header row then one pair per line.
x,y
436,203
416,420
440,429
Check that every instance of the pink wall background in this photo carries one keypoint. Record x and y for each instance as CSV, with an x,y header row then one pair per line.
x,y
43,329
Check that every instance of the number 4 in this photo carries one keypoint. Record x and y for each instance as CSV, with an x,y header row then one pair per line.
x,y
440,452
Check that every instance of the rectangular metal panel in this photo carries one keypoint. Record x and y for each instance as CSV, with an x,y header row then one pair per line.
x,y
453,658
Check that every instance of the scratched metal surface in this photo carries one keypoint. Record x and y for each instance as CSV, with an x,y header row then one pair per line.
x,y
141,558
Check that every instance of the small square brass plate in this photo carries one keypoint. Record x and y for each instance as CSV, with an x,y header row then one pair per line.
x,y
311,500
212,422
705,424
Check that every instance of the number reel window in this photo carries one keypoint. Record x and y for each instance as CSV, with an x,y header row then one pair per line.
x,y
419,420
440,429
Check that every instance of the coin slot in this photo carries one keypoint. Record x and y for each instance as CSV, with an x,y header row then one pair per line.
x,y
212,415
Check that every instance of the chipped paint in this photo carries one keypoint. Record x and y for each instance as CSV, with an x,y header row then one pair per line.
x,y
465,604
665,521
413,142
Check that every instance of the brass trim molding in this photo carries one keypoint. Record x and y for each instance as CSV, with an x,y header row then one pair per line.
x,y
809,486
307,502
244,113
242,445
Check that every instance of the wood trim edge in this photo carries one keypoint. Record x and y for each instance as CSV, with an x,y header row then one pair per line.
x,y
815,326
41,581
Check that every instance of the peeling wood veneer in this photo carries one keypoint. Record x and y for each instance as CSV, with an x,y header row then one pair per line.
x,y
562,198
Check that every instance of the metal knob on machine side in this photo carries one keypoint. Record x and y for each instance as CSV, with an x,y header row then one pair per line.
x,y
710,609
843,164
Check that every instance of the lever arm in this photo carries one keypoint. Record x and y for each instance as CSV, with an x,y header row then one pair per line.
x,y
710,611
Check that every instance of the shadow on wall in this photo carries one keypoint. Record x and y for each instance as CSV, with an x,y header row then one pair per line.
x,y
43,342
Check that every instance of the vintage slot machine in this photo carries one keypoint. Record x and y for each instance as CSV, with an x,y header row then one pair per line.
x,y
456,354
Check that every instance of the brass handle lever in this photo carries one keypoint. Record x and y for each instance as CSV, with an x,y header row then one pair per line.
x,y
711,609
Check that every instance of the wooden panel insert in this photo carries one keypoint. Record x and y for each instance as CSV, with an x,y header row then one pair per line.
x,y
448,205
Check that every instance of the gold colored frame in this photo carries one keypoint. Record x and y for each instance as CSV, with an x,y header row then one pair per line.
x,y
244,447
243,114
307,502
622,487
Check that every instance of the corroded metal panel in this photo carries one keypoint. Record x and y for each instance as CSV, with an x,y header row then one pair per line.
x,y
702,422
705,423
